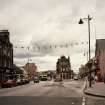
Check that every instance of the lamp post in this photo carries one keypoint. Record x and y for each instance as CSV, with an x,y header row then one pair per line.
x,y
81,22
28,63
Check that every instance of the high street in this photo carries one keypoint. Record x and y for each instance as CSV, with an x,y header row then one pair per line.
x,y
48,92
46,88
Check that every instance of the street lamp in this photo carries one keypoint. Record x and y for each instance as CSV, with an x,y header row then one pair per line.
x,y
81,22
28,62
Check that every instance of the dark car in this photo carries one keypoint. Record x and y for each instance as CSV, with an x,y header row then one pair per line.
x,y
44,78
9,83
22,81
27,81
36,79
19,82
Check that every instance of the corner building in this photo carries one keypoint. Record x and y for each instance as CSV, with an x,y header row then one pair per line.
x,y
63,67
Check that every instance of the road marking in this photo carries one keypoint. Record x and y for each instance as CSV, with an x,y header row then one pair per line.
x,y
83,101
72,103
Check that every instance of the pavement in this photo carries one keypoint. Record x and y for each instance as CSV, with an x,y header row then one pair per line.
x,y
97,89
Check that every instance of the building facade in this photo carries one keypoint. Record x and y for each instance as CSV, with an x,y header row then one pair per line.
x,y
18,72
31,69
63,68
83,71
6,56
90,66
100,57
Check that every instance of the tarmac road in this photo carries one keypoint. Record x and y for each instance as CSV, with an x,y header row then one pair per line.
x,y
48,93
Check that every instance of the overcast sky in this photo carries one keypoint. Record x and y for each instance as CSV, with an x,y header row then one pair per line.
x,y
51,22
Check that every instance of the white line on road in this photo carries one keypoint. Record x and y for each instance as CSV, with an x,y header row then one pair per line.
x,y
83,101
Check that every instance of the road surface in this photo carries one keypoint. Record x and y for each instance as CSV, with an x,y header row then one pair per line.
x,y
48,93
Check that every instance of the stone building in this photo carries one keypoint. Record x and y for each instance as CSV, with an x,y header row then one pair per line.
x,y
63,67
31,69
100,57
6,56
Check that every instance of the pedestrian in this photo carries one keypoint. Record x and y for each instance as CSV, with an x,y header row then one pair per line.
x,y
96,78
92,79
88,77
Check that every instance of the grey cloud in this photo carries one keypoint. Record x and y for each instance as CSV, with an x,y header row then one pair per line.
x,y
48,22
22,56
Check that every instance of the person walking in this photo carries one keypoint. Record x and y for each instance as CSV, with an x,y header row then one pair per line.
x,y
96,78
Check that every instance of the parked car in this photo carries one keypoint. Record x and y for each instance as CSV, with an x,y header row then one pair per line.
x,y
1,83
19,81
36,79
44,78
9,83
22,81
27,81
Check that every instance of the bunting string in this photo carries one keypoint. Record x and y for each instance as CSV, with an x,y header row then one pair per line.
x,y
50,46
